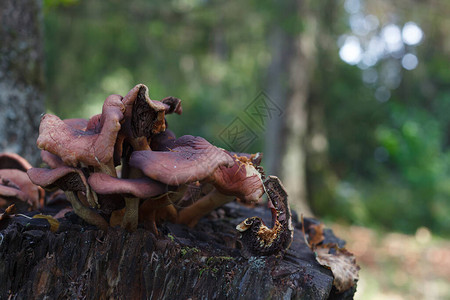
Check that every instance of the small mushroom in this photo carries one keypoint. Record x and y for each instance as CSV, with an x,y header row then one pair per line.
x,y
73,182
13,161
256,237
19,167
17,179
76,146
131,189
16,188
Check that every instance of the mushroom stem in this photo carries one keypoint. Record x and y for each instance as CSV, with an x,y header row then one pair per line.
x,y
108,169
91,197
86,213
193,213
130,218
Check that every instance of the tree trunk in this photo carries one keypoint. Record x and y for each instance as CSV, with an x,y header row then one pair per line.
x,y
289,80
21,77
201,263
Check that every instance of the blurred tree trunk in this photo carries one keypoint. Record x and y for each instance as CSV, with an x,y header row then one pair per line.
x,y
296,144
289,80
21,76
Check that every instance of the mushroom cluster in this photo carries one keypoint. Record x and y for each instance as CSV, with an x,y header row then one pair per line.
x,y
124,167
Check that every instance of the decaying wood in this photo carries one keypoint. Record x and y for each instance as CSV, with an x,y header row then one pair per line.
x,y
205,262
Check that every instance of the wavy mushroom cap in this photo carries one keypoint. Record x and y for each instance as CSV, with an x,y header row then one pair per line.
x,y
140,187
241,180
13,161
191,159
173,105
143,116
74,146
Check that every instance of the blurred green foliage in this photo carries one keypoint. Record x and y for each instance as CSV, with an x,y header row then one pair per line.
x,y
390,160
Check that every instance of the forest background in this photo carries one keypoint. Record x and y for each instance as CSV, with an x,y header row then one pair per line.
x,y
348,100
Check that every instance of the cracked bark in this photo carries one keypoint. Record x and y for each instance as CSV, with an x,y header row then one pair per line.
x,y
21,77
79,262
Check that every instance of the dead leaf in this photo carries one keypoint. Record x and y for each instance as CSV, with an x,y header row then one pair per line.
x,y
341,262
54,224
313,234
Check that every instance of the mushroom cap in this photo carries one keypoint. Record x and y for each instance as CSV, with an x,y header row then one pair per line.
x,y
65,178
173,105
143,116
140,187
20,178
79,124
52,160
94,123
74,146
241,180
16,184
190,159
163,141
13,161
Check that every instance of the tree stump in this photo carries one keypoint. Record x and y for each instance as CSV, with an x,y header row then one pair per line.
x,y
79,261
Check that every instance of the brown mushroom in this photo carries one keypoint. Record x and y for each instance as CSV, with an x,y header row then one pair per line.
x,y
79,124
13,161
163,141
131,189
52,160
242,180
77,147
16,187
73,182
19,177
191,159
13,177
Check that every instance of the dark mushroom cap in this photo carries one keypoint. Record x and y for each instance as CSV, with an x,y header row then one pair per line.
x,y
190,159
75,146
163,141
173,105
13,161
143,116
140,187
241,180
255,158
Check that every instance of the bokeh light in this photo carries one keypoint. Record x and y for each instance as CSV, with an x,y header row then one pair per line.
x,y
412,34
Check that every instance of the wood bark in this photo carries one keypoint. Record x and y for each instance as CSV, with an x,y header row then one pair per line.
x,y
79,262
21,77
